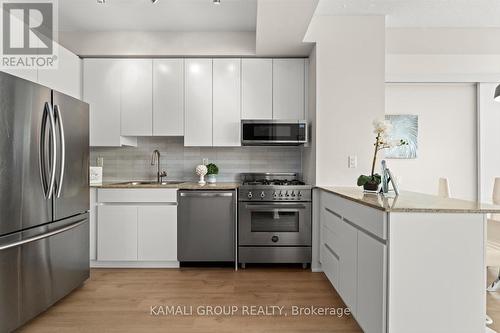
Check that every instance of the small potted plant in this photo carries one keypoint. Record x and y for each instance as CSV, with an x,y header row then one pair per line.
x,y
382,129
212,171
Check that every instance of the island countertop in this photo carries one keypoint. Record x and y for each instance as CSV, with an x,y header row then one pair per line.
x,y
411,202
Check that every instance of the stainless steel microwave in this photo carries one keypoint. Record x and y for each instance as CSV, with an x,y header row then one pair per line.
x,y
273,132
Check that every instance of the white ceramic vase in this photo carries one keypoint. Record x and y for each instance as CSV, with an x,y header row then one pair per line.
x,y
211,179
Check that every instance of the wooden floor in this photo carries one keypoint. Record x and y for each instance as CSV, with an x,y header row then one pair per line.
x,y
120,300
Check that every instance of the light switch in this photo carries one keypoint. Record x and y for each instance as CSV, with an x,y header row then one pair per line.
x,y
204,161
353,162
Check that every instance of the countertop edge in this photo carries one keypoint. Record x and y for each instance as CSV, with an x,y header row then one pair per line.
x,y
486,210
181,186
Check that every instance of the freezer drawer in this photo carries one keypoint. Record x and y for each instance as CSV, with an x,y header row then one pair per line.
x,y
206,226
40,266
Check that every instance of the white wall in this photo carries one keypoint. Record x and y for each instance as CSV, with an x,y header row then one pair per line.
x,y
443,55
446,138
350,92
159,43
443,41
489,129
309,151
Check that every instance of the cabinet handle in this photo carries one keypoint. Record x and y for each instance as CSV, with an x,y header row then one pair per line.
x,y
333,213
331,251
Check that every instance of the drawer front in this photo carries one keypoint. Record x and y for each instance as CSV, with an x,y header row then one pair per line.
x,y
372,220
330,265
330,239
137,195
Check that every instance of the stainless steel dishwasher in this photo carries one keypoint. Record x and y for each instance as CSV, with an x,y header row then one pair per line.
x,y
206,226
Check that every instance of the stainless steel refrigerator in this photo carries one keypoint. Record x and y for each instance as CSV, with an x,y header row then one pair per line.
x,y
44,198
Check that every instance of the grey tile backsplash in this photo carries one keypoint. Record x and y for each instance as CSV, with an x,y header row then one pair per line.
x,y
134,163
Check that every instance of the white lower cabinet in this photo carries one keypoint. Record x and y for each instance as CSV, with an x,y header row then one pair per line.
x,y
348,252
134,233
157,233
371,300
116,233
354,260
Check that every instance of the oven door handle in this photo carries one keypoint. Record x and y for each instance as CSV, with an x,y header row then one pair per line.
x,y
281,208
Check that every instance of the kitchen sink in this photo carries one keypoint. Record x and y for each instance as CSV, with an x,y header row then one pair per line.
x,y
138,183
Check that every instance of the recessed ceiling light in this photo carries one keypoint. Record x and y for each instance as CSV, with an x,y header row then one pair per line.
x,y
216,2
101,2
154,1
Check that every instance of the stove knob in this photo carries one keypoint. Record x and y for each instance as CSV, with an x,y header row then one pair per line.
x,y
282,194
275,239
287,194
250,195
300,194
262,194
275,194
293,193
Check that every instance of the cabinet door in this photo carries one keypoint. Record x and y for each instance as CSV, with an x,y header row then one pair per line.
x,y
66,78
137,97
93,224
198,102
168,97
288,89
256,88
101,89
116,233
348,248
227,102
157,233
371,299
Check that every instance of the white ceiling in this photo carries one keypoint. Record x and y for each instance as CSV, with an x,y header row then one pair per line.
x,y
420,13
165,15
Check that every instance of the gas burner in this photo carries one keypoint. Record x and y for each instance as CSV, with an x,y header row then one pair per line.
x,y
278,182
273,187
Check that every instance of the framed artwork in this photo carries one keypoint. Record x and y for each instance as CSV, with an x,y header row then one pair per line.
x,y
405,127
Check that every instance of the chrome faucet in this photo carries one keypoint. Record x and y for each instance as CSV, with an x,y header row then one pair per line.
x,y
155,159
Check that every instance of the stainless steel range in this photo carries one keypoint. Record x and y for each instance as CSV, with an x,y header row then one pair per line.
x,y
274,223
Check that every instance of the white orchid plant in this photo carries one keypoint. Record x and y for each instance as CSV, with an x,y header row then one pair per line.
x,y
382,129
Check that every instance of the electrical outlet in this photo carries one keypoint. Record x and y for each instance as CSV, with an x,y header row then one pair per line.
x,y
100,161
204,161
353,162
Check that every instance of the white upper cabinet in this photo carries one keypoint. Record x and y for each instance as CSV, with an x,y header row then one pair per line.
x,y
67,77
226,102
101,89
168,97
256,88
137,97
27,74
288,88
198,102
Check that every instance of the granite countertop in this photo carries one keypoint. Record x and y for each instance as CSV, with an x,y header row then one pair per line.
x,y
180,186
411,202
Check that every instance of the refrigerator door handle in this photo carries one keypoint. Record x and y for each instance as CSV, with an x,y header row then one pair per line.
x,y
58,116
54,150
41,152
45,235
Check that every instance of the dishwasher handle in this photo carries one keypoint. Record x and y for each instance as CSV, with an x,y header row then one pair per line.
x,y
206,194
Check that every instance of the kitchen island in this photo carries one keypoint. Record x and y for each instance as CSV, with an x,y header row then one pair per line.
x,y
413,263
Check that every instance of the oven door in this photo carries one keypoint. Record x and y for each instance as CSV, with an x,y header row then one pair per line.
x,y
258,132
274,224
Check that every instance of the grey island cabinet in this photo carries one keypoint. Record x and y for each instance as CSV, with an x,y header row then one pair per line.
x,y
414,263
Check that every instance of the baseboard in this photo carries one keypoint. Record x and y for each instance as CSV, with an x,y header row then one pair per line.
x,y
316,268
134,264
